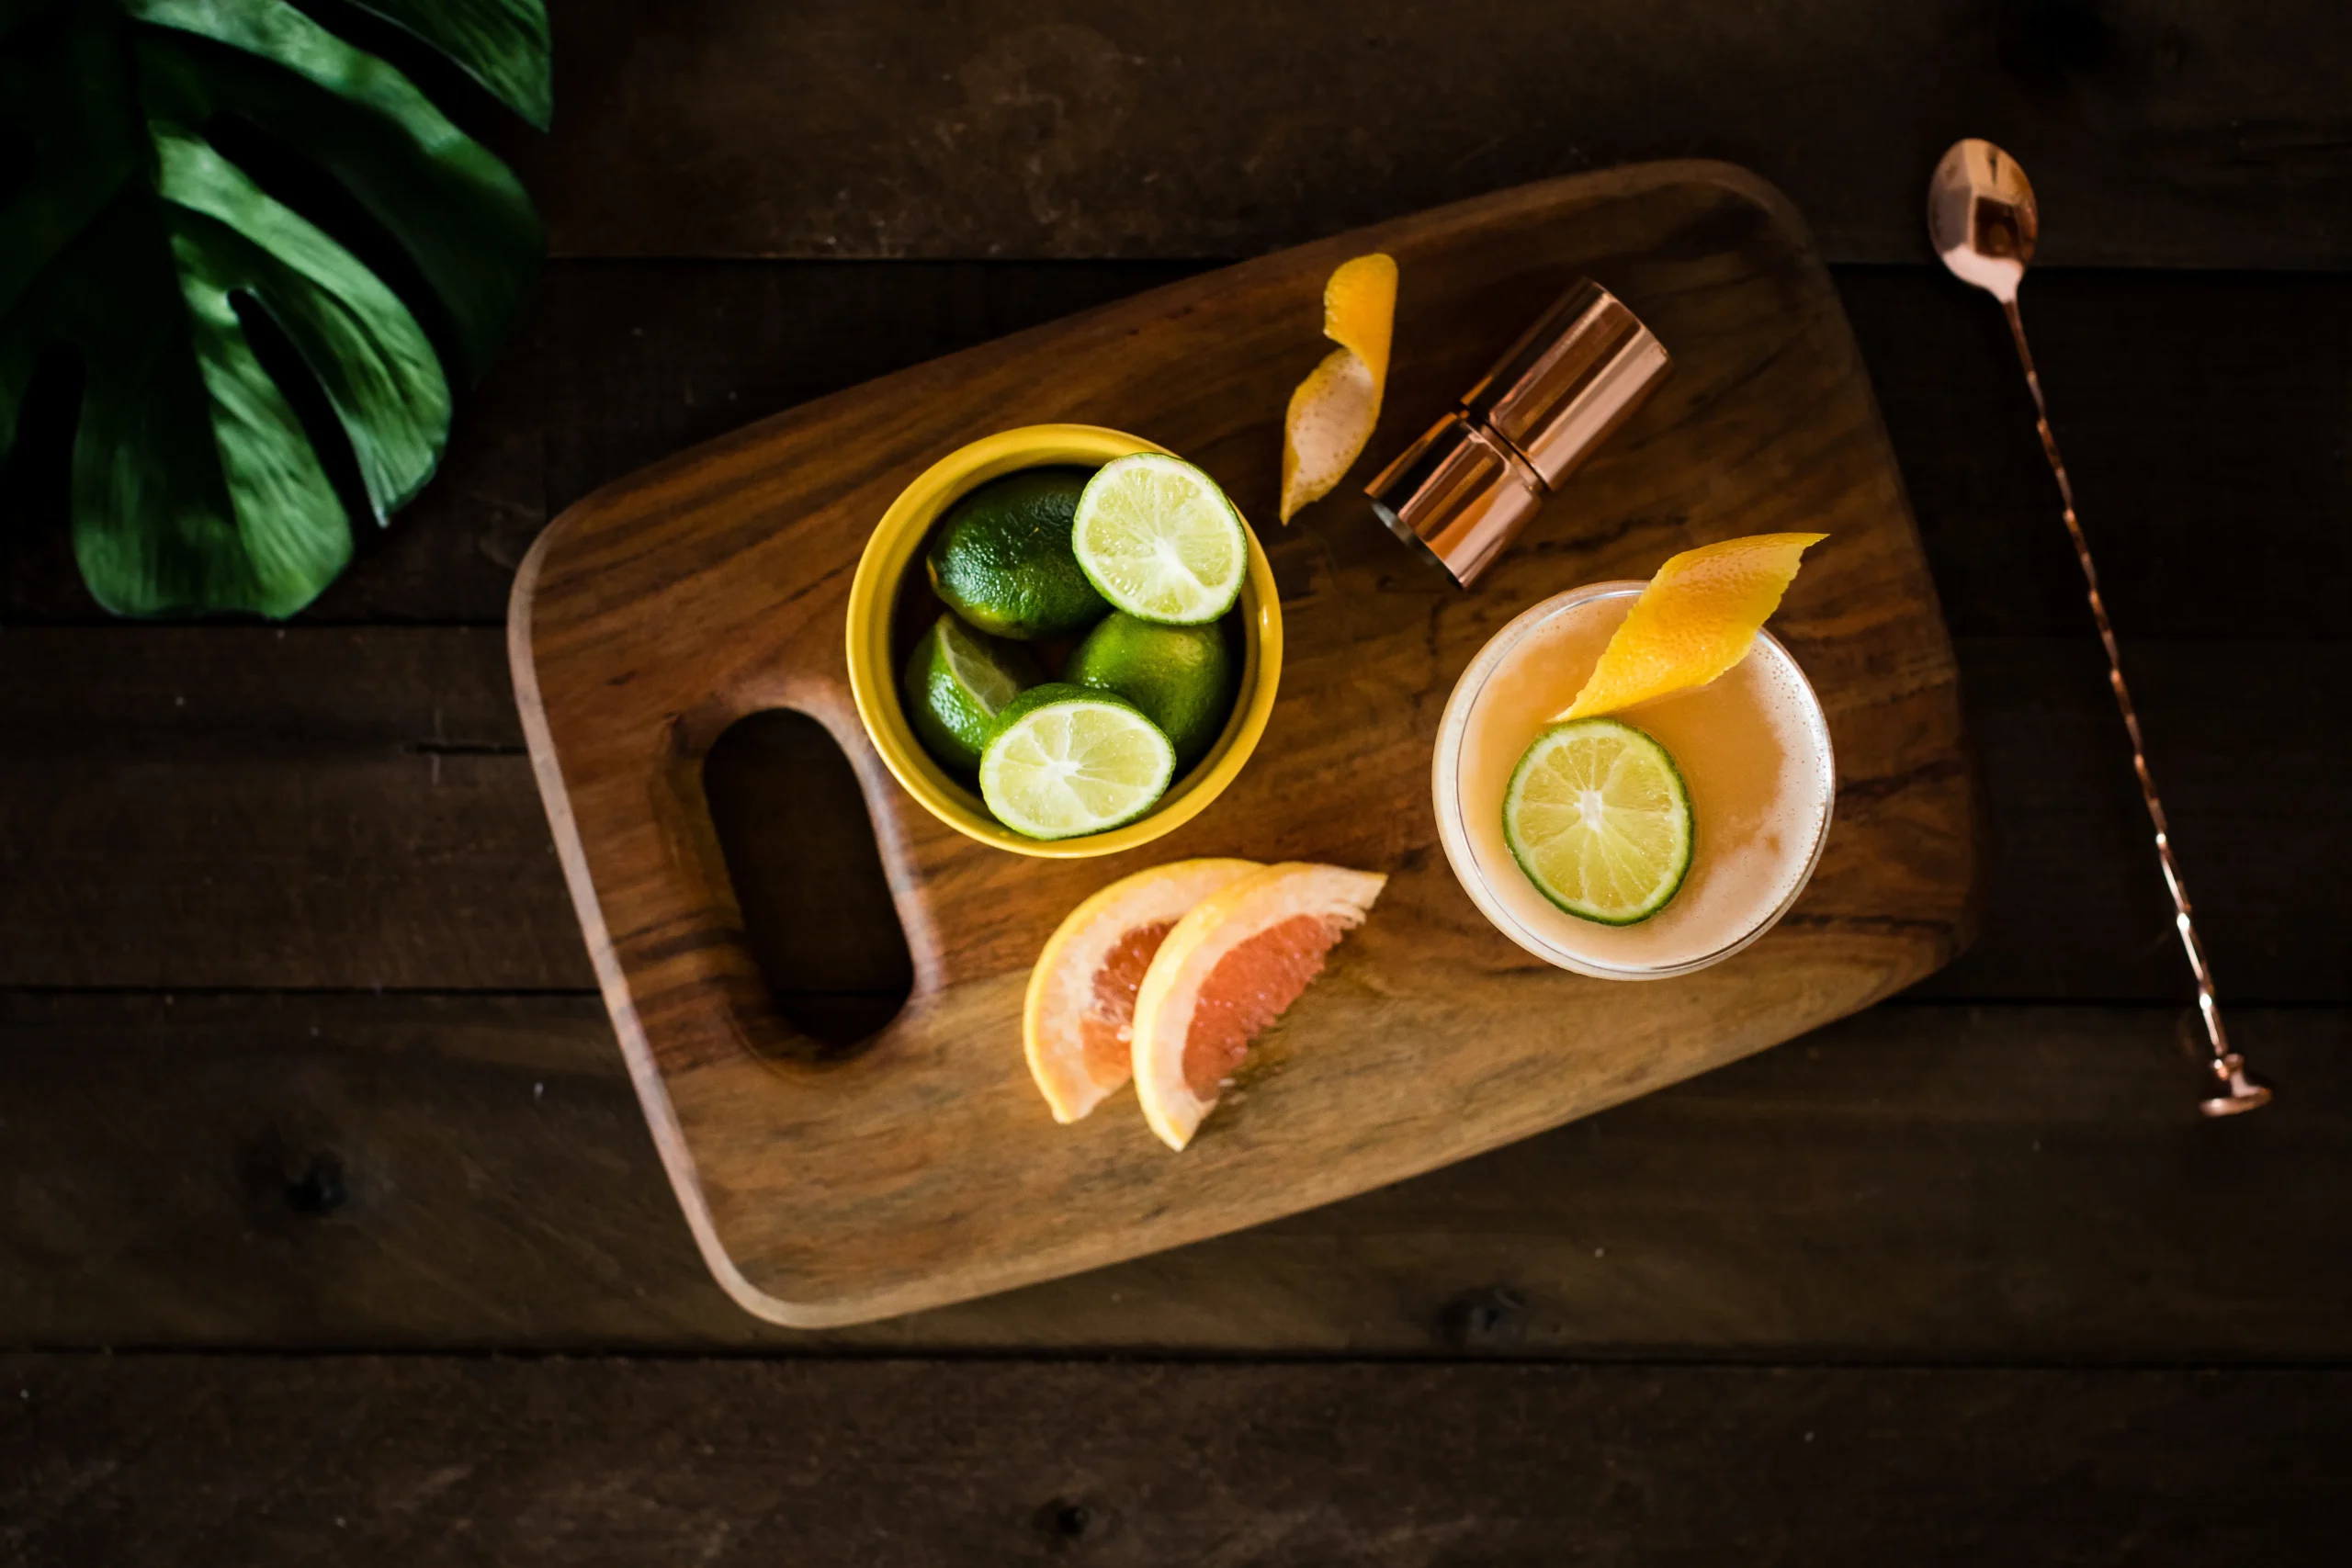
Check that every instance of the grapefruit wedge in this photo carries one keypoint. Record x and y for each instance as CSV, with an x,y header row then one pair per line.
x,y
1081,1001
1228,970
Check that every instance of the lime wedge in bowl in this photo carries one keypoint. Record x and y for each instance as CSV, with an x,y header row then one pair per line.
x,y
956,682
1067,760
1599,819
1158,539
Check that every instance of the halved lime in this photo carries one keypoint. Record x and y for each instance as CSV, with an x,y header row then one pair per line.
x,y
1597,817
956,682
1157,538
1067,760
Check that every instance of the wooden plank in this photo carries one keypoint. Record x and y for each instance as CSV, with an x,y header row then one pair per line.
x,y
2076,906
243,807
2181,437
1938,1182
164,1460
665,607
2202,417
348,807
2176,132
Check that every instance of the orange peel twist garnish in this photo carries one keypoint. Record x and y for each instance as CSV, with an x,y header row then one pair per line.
x,y
1333,410
1697,618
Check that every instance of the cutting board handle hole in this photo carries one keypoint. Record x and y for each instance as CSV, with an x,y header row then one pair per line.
x,y
800,851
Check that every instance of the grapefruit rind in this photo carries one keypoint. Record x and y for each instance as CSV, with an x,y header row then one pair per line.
x,y
1190,955
1062,986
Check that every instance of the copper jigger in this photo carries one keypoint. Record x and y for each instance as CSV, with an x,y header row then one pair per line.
x,y
1464,490
1983,221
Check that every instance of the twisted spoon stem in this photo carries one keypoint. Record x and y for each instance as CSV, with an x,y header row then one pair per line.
x,y
2237,1091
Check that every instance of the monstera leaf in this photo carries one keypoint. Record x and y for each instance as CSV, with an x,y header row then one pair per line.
x,y
181,279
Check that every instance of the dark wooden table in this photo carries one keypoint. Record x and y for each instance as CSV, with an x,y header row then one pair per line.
x,y
329,1229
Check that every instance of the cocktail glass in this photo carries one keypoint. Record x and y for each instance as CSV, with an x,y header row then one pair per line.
x,y
1754,750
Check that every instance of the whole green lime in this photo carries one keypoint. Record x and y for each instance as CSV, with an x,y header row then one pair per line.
x,y
956,682
1182,677
1002,558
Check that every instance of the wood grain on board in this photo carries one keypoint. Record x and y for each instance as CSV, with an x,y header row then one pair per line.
x,y
1938,1182
2167,133
666,607
160,1460
243,806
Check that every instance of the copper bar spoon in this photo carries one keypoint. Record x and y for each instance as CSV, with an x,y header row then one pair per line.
x,y
1982,219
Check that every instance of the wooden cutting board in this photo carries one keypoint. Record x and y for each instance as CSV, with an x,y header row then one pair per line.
x,y
924,1169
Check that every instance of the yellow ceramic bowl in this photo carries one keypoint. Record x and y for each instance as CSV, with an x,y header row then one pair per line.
x,y
895,549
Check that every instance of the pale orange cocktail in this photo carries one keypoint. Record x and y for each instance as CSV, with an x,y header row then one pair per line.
x,y
1753,748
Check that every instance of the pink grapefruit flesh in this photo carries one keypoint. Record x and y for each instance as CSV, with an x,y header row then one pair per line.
x,y
1106,1029
1249,988
1225,973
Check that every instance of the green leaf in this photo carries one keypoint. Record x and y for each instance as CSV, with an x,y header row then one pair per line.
x,y
502,44
202,492
458,213
368,353
194,485
131,237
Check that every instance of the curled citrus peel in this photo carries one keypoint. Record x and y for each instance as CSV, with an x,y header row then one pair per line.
x,y
1697,618
1333,411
